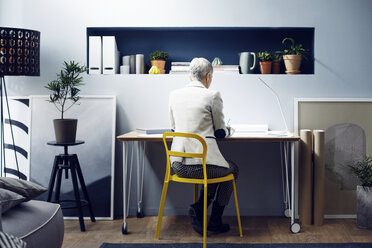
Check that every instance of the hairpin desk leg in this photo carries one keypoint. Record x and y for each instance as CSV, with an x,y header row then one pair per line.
x,y
125,183
294,227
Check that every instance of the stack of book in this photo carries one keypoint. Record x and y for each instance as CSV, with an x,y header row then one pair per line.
x,y
180,68
152,130
226,69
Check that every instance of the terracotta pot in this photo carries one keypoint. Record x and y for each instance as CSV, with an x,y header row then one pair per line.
x,y
160,64
292,63
276,68
65,130
265,67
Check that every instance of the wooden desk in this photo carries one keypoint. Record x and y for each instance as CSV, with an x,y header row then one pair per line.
x,y
286,149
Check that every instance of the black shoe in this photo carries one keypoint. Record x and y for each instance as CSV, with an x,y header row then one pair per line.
x,y
196,216
215,222
218,227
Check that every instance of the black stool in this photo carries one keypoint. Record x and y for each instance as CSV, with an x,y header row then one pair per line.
x,y
69,162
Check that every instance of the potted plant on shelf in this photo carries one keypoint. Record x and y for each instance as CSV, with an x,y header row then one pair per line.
x,y
363,170
158,59
292,55
265,61
65,94
277,58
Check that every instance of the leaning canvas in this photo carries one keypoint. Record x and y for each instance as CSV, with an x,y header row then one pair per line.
x,y
96,127
348,131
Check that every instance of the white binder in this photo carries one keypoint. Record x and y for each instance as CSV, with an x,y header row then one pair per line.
x,y
95,55
110,61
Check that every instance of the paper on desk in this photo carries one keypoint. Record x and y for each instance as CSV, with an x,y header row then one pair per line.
x,y
260,134
250,128
158,135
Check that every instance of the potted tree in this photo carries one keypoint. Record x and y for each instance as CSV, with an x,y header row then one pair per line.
x,y
158,59
363,170
265,61
277,58
65,94
292,55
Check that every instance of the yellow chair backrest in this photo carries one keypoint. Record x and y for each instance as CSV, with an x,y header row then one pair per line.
x,y
169,153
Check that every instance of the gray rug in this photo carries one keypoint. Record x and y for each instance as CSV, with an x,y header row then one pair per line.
x,y
212,245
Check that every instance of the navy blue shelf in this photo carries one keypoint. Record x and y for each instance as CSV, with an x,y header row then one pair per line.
x,y
185,43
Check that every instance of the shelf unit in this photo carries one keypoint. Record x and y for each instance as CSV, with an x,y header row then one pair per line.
x,y
185,43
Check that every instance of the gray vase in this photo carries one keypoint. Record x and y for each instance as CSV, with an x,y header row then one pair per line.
x,y
65,130
364,207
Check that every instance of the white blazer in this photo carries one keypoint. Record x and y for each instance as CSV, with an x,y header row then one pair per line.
x,y
196,109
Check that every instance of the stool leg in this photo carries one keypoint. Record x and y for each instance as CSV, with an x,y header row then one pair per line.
x,y
58,186
83,187
77,195
52,178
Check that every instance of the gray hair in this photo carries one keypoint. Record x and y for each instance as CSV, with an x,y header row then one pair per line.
x,y
199,67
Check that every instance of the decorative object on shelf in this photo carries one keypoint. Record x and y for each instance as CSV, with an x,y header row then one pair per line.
x,y
247,62
154,70
132,64
217,61
265,61
292,56
363,170
125,60
277,58
140,64
158,59
124,69
66,89
19,56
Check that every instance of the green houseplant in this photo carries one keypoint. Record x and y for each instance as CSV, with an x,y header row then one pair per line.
x,y
277,58
65,94
292,55
265,59
158,59
363,170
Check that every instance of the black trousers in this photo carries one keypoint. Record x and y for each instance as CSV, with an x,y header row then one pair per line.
x,y
224,189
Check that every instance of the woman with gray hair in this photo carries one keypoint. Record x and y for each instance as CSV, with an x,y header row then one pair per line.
x,y
197,109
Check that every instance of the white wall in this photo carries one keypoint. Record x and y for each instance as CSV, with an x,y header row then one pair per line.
x,y
343,53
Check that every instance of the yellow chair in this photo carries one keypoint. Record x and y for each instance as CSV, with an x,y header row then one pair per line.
x,y
205,181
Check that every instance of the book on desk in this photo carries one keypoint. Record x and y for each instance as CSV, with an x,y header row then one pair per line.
x,y
147,131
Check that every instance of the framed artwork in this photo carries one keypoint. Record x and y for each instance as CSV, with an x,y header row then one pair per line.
x,y
348,138
17,156
96,127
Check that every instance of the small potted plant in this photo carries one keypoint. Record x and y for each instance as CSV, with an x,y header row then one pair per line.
x,y
363,170
265,59
65,94
158,59
292,55
277,58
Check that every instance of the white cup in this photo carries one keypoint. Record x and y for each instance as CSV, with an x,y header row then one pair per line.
x,y
124,69
126,60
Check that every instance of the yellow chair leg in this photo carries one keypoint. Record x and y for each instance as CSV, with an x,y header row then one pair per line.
x,y
205,216
195,193
161,209
237,210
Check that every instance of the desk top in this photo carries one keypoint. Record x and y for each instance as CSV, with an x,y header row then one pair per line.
x,y
134,136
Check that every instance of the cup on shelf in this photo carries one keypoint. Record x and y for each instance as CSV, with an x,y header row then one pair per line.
x,y
126,60
124,69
